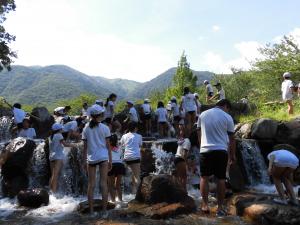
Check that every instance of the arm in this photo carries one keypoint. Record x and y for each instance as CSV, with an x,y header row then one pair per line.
x,y
66,144
232,148
271,162
109,154
112,111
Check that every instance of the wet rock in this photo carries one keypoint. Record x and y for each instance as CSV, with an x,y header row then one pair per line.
x,y
244,131
33,198
14,170
42,125
264,129
147,160
83,207
262,210
236,178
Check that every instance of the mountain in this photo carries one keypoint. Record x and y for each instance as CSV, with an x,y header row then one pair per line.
x,y
164,80
46,85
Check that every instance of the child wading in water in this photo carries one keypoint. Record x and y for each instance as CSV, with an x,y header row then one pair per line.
x,y
117,171
97,152
132,143
56,154
282,164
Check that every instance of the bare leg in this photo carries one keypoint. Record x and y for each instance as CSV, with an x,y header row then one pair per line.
x,y
221,189
56,166
136,172
118,187
204,189
287,181
103,183
91,186
111,188
277,173
290,107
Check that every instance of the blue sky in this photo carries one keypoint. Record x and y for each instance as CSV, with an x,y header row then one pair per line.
x,y
139,39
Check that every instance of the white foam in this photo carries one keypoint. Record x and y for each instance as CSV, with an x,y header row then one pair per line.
x,y
7,207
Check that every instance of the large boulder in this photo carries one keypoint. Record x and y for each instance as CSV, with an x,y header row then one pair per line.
x,y
43,124
33,198
15,159
264,129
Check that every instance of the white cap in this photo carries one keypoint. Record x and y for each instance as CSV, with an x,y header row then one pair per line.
x,y
57,126
196,94
59,110
173,98
98,101
287,75
147,100
206,82
130,102
96,110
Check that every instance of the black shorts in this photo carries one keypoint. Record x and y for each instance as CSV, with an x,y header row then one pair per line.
x,y
147,116
214,163
177,119
96,164
178,160
162,123
210,94
20,126
130,162
108,120
117,169
191,112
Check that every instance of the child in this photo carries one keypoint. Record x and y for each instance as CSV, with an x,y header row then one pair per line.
x,y
132,114
110,109
146,110
56,154
184,146
72,129
175,113
117,171
84,112
96,152
198,108
189,105
282,164
132,143
27,131
209,91
162,119
287,91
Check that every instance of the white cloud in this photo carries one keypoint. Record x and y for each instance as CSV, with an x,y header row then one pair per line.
x,y
215,28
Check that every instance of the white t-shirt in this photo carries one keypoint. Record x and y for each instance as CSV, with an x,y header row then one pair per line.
x,y
287,92
56,149
162,115
146,108
27,133
209,89
221,94
19,115
84,112
70,126
215,125
116,154
284,158
188,102
175,109
132,143
109,111
133,115
183,145
96,142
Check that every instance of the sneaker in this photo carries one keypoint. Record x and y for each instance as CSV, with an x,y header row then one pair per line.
x,y
221,213
280,201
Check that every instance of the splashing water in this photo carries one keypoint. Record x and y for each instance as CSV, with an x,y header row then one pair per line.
x,y
5,125
164,161
254,163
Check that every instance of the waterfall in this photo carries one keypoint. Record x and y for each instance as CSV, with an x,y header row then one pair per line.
x,y
254,163
5,125
164,161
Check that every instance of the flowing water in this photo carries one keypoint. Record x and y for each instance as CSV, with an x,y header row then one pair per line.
x,y
5,125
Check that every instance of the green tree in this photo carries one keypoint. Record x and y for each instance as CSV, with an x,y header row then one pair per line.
x,y
184,77
6,54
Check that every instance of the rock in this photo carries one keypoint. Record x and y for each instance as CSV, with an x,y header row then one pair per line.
x,y
236,178
14,170
261,209
264,129
42,125
244,131
83,207
33,198
147,160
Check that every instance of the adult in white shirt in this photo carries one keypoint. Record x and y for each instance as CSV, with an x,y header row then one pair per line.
x,y
146,115
287,91
132,143
96,152
209,91
189,105
282,164
27,131
162,119
216,135
110,109
220,92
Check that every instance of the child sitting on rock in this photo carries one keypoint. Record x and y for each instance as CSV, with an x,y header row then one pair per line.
x,y
27,131
282,164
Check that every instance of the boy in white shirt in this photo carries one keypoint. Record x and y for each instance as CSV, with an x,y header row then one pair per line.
x,y
287,91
